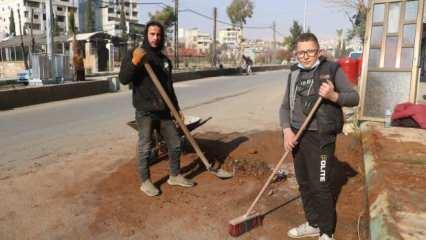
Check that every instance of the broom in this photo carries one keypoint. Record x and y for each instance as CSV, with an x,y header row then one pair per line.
x,y
250,220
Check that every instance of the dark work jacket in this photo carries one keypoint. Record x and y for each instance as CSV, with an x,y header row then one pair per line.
x,y
145,95
329,115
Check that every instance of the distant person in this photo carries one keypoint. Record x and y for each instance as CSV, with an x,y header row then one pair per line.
x,y
151,111
313,153
247,63
78,63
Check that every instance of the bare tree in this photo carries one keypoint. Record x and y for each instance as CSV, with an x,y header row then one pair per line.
x,y
356,11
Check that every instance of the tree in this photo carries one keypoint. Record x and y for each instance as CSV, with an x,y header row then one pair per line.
x,y
340,44
295,30
239,11
89,18
356,11
71,22
166,17
12,31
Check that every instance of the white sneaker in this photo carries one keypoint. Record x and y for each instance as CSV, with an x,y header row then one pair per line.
x,y
304,230
180,180
325,237
149,189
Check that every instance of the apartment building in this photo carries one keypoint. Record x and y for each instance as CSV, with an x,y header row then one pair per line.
x,y
35,9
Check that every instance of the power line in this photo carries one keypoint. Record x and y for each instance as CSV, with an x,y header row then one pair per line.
x,y
194,12
221,21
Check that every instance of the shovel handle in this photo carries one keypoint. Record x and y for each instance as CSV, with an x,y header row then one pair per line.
x,y
176,115
299,133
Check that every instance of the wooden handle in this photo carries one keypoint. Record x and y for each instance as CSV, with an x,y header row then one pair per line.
x,y
176,115
299,133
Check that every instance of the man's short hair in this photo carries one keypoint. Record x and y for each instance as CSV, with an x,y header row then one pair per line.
x,y
306,37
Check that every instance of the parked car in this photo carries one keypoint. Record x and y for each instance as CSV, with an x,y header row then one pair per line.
x,y
24,76
293,60
355,55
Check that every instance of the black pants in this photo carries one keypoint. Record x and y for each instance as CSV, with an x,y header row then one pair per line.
x,y
314,162
80,75
146,122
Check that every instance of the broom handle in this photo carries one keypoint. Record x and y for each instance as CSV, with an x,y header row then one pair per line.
x,y
299,133
176,115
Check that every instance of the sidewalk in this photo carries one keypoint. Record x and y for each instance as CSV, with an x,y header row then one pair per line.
x,y
395,166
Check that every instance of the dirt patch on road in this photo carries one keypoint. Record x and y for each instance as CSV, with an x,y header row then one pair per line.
x,y
202,212
107,203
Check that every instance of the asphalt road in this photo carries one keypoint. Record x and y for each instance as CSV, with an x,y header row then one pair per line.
x,y
48,131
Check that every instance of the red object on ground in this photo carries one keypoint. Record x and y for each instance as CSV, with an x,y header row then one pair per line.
x,y
350,68
416,111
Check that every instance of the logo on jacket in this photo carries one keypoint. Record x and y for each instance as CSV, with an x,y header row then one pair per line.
x,y
323,165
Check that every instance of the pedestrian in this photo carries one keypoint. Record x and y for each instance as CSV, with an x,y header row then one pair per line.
x,y
78,63
313,153
151,111
249,65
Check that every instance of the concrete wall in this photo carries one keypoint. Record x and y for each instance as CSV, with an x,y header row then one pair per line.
x,y
184,76
35,95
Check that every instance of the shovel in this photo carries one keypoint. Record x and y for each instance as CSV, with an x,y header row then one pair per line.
x,y
220,173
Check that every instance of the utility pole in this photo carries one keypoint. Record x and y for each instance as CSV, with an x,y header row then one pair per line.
x,y
214,36
31,32
304,16
176,33
24,55
274,39
49,37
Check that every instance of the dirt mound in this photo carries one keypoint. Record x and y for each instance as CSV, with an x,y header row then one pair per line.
x,y
204,211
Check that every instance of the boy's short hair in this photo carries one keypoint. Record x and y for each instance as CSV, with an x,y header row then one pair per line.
x,y
306,37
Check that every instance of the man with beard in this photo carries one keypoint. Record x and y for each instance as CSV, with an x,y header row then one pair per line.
x,y
151,111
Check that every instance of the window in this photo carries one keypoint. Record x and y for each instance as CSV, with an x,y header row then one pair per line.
x,y
33,4
36,26
25,13
35,16
60,18
110,10
60,9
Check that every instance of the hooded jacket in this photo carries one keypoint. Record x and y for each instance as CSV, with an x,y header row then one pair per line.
x,y
145,95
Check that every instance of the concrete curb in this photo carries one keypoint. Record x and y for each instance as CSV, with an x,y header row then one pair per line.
x,y
379,217
20,97
394,161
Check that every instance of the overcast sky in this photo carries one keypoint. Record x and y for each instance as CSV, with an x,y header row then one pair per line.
x,y
322,19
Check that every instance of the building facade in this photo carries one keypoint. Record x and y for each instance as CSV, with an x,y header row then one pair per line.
x,y
35,9
194,39
110,16
231,37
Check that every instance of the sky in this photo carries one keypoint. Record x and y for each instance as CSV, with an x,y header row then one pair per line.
x,y
322,19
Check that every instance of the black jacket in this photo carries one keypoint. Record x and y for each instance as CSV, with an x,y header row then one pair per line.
x,y
145,95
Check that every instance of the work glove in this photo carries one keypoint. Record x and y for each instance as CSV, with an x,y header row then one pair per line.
x,y
137,56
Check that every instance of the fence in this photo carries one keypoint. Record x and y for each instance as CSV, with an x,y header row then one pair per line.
x,y
41,67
